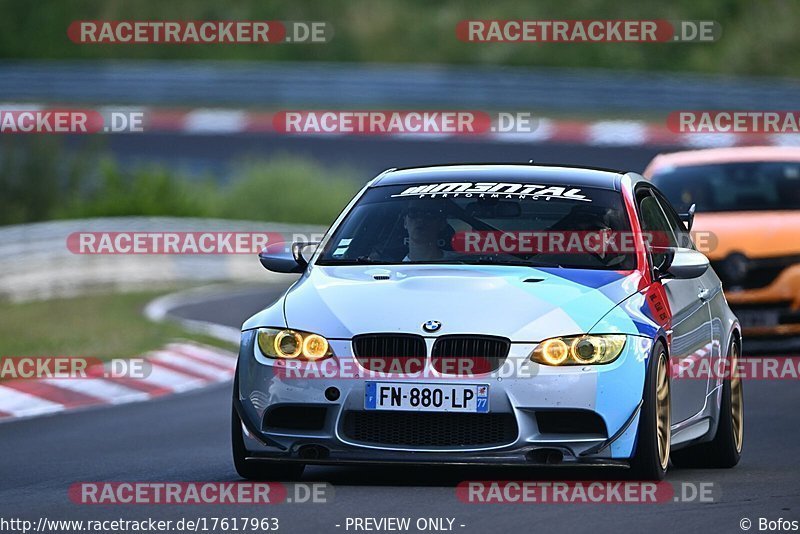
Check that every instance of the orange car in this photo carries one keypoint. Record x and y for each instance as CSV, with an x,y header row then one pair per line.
x,y
748,198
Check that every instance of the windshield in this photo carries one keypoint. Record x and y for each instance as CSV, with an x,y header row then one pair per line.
x,y
406,224
732,186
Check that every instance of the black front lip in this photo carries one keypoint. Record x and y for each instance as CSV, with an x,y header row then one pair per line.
x,y
476,461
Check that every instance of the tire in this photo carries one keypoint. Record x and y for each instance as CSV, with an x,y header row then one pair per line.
x,y
261,469
651,456
725,450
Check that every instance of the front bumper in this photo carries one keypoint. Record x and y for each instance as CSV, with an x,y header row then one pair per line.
x,y
519,391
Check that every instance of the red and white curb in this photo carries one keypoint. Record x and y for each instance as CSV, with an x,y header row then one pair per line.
x,y
176,368
602,133
591,133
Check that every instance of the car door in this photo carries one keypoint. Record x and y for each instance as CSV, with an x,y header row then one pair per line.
x,y
690,341
710,288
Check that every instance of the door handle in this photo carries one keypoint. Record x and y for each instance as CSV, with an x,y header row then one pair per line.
x,y
703,294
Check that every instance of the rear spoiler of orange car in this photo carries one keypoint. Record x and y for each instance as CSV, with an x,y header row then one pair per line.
x,y
688,217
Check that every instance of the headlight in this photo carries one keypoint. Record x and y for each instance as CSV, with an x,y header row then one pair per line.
x,y
579,350
290,344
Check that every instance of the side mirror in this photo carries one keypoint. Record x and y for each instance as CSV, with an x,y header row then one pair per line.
x,y
679,263
688,217
283,261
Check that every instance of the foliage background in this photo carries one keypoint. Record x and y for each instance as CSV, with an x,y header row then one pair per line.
x,y
759,37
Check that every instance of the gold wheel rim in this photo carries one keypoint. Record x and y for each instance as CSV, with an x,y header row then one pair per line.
x,y
663,415
737,400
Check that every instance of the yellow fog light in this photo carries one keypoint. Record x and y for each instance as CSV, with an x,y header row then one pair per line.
x,y
315,347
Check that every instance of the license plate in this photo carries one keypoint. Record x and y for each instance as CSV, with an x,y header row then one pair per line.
x,y
472,398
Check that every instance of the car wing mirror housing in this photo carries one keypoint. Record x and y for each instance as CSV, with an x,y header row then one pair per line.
x,y
277,259
678,263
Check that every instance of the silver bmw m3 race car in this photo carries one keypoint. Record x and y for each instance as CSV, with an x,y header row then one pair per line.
x,y
495,315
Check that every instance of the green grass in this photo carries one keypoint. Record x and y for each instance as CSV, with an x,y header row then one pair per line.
x,y
288,189
96,326
759,37
39,181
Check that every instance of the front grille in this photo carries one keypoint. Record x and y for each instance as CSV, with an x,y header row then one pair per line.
x,y
390,353
469,355
430,429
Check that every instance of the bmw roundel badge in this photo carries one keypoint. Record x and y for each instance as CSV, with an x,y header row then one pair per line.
x,y
431,326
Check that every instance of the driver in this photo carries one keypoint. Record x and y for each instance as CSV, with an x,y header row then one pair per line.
x,y
586,220
425,222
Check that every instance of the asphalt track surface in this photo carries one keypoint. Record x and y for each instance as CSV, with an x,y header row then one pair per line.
x,y
186,438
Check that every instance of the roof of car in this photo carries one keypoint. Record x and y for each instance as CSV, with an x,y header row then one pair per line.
x,y
520,173
712,156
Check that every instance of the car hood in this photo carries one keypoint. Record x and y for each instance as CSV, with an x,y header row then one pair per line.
x,y
521,303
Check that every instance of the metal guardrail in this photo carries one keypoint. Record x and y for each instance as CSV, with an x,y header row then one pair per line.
x,y
273,84
36,264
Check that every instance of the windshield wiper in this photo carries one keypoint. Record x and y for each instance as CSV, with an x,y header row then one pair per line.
x,y
522,263
361,260
484,260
